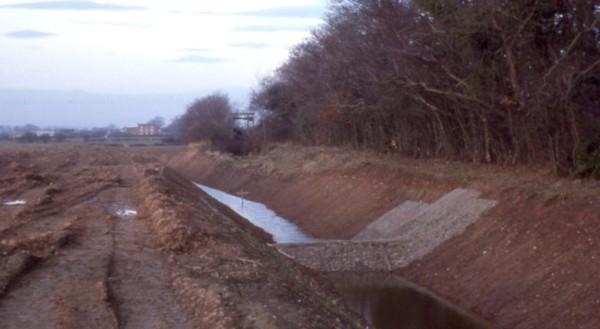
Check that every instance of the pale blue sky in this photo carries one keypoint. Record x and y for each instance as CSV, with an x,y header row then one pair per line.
x,y
140,47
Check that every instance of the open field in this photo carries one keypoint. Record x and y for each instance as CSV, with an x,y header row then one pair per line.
x,y
109,238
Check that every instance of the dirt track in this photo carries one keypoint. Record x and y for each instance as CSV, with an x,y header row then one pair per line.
x,y
69,260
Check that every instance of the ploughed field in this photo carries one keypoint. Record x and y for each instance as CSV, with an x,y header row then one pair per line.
x,y
110,238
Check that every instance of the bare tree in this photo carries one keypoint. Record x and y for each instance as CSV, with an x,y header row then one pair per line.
x,y
209,119
485,81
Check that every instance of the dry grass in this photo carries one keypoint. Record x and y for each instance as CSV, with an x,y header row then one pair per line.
x,y
286,159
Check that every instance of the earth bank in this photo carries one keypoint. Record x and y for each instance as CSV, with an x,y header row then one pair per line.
x,y
530,262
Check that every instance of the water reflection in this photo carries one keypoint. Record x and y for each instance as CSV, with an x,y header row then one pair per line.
x,y
260,215
389,302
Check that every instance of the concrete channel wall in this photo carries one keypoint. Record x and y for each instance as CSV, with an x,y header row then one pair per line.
x,y
355,256
406,233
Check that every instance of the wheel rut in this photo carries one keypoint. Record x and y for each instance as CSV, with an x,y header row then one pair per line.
x,y
139,277
110,274
68,290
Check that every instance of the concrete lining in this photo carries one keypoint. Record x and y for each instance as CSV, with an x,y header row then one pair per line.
x,y
404,234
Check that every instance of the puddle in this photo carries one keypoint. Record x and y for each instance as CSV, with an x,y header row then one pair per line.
x,y
386,301
126,213
15,203
260,215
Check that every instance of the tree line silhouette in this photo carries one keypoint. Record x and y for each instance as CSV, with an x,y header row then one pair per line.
x,y
496,81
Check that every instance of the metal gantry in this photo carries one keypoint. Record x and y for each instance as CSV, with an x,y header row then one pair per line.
x,y
244,116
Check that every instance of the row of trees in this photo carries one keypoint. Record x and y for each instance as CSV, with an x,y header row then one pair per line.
x,y
502,81
30,137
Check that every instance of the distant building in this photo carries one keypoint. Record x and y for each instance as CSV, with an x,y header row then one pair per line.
x,y
130,130
148,130
143,130
50,133
39,133
15,135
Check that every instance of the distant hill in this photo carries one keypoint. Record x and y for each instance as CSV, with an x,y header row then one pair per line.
x,y
84,109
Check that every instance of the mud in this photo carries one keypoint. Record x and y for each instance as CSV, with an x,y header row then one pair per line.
x,y
69,260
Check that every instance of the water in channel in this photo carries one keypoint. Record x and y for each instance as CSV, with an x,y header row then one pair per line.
x,y
282,230
384,300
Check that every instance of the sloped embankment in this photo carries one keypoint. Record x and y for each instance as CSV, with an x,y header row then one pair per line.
x,y
530,262
404,234
226,277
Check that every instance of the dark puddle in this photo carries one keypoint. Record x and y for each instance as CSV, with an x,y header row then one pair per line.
x,y
386,301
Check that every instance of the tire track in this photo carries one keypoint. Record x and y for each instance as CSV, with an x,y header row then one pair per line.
x,y
139,277
69,289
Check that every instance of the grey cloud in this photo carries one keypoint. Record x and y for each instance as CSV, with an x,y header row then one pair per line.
x,y
291,12
19,107
113,24
28,34
250,45
197,59
71,5
270,28
285,12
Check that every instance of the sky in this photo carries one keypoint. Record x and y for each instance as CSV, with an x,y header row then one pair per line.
x,y
93,63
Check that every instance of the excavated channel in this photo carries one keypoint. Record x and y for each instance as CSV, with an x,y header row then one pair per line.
x,y
384,300
282,230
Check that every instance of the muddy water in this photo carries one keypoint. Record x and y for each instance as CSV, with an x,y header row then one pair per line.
x,y
387,301
260,215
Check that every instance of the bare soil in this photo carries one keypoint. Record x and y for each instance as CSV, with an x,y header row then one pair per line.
x,y
70,259
530,262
